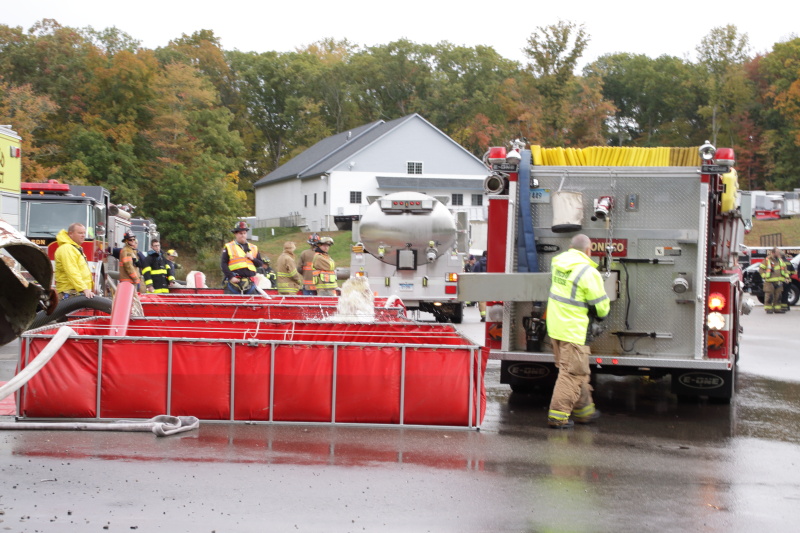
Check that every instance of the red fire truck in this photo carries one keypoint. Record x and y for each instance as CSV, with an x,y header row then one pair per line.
x,y
47,208
665,232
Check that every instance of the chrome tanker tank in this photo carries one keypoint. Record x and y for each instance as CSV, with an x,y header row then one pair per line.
x,y
407,221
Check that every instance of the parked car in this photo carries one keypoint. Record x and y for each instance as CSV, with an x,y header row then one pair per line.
x,y
755,285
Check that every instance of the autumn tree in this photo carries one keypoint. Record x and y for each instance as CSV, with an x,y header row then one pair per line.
x,y
27,113
781,82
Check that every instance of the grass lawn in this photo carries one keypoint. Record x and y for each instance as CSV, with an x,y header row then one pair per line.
x,y
270,243
788,228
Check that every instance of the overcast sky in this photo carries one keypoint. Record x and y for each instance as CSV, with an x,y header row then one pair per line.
x,y
675,28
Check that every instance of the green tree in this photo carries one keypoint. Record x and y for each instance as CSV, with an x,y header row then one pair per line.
x,y
276,103
466,84
722,53
655,100
111,40
193,182
554,52
392,80
332,81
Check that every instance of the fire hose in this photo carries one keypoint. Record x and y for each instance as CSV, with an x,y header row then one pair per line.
x,y
162,425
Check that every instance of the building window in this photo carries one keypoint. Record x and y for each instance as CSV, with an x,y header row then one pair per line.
x,y
477,199
414,167
315,198
355,197
458,199
305,200
324,197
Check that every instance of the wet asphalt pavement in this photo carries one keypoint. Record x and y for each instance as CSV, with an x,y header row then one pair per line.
x,y
649,464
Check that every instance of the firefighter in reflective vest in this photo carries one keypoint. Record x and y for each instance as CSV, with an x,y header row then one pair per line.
x,y
307,265
577,298
773,273
127,260
324,269
289,279
239,262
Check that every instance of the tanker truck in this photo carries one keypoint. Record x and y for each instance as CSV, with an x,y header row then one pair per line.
x,y
407,247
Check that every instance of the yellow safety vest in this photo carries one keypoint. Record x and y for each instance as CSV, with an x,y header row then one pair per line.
x,y
576,286
237,259
325,272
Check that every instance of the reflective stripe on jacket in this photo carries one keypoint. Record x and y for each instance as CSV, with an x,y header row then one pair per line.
x,y
128,270
237,258
157,273
324,272
307,264
576,286
72,269
773,270
289,280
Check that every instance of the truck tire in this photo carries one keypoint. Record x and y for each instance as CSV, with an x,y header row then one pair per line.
x,y
69,305
457,315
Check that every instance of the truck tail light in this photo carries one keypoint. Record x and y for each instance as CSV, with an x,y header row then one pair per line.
x,y
716,302
451,276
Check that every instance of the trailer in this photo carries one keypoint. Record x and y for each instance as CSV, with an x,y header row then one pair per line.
x,y
408,246
665,229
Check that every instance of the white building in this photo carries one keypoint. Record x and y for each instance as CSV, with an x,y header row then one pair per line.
x,y
327,187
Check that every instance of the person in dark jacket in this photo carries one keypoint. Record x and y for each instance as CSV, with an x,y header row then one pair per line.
x,y
480,266
268,272
157,272
239,262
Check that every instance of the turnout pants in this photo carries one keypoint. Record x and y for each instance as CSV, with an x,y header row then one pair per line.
x,y
572,391
772,296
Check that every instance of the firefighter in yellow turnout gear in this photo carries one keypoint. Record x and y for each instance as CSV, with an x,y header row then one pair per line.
x,y
577,297
289,280
774,273
324,269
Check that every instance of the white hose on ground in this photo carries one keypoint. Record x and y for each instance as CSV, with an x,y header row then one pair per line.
x,y
61,336
161,425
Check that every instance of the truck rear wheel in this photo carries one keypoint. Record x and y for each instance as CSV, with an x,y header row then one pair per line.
x,y
457,315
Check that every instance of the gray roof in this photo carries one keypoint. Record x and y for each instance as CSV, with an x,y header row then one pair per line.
x,y
331,151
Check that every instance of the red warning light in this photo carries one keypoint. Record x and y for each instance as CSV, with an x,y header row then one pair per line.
x,y
716,301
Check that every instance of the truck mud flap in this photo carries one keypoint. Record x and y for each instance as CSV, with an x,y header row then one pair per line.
x,y
710,383
526,376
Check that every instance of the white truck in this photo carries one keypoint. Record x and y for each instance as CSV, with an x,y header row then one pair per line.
x,y
665,237
407,246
